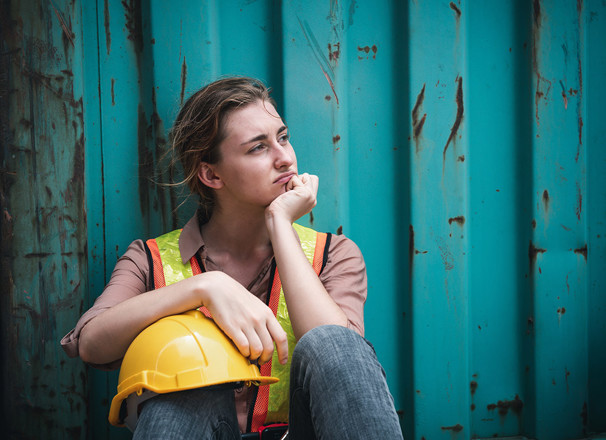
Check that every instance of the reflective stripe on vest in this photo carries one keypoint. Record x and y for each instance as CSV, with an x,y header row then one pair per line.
x,y
271,404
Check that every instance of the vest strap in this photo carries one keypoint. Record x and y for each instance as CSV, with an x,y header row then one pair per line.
x,y
272,402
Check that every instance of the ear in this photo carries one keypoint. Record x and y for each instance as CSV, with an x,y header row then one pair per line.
x,y
208,177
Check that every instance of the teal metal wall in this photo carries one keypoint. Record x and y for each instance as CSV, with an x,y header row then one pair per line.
x,y
460,144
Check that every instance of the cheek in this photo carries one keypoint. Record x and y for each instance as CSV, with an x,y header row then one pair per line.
x,y
293,155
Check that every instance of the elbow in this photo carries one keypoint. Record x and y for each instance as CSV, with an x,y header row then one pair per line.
x,y
85,350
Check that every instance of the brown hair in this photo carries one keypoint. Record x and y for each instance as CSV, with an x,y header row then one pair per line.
x,y
199,127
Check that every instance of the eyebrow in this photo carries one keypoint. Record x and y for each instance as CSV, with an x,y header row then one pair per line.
x,y
264,136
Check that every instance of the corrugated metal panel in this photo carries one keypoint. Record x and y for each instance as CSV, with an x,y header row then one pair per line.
x,y
43,219
460,144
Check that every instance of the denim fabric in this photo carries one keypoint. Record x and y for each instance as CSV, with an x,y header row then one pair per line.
x,y
338,391
204,413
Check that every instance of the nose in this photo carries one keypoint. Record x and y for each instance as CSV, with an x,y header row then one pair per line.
x,y
284,155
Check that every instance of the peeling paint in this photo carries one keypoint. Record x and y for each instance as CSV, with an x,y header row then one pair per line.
x,y
503,406
366,50
183,78
460,220
417,124
579,202
455,428
582,251
457,122
106,20
456,9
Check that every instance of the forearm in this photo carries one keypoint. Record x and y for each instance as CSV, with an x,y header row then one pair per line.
x,y
309,304
107,336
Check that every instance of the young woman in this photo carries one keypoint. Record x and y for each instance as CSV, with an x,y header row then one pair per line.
x,y
237,157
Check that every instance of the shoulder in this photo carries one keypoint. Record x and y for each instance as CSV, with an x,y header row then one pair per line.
x,y
343,248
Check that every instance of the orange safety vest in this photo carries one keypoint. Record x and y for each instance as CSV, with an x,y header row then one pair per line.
x,y
271,401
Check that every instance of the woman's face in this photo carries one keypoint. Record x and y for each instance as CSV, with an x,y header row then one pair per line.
x,y
257,159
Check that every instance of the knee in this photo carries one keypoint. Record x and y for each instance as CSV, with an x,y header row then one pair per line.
x,y
329,345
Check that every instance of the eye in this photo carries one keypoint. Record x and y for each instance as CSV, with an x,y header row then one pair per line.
x,y
284,138
256,148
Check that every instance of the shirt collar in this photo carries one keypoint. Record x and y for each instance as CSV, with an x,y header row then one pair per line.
x,y
190,240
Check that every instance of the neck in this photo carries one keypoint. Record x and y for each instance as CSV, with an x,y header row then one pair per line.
x,y
243,233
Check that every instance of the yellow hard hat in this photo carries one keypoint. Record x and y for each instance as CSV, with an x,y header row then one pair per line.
x,y
176,353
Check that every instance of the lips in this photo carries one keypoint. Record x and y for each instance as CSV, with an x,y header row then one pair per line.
x,y
284,178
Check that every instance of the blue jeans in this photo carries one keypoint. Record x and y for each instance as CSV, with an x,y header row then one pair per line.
x,y
338,391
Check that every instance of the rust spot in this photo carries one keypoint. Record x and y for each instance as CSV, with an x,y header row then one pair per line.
x,y
533,223
334,52
566,374
532,254
38,255
66,31
455,428
311,218
582,251
366,50
458,119
473,386
580,138
183,78
579,205
112,91
108,35
537,13
340,230
584,414
134,22
473,406
546,199
529,325
561,310
336,139
504,406
416,123
460,220
455,8
327,98
461,158
411,246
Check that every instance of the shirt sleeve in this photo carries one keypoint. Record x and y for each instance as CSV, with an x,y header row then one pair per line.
x,y
344,278
129,278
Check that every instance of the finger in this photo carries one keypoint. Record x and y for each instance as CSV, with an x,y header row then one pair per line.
x,y
268,345
304,178
241,341
254,342
294,181
279,336
315,180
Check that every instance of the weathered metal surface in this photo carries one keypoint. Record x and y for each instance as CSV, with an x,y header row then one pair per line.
x,y
459,143
44,394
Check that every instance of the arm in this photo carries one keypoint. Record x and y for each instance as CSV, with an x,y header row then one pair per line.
x,y
125,309
309,304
